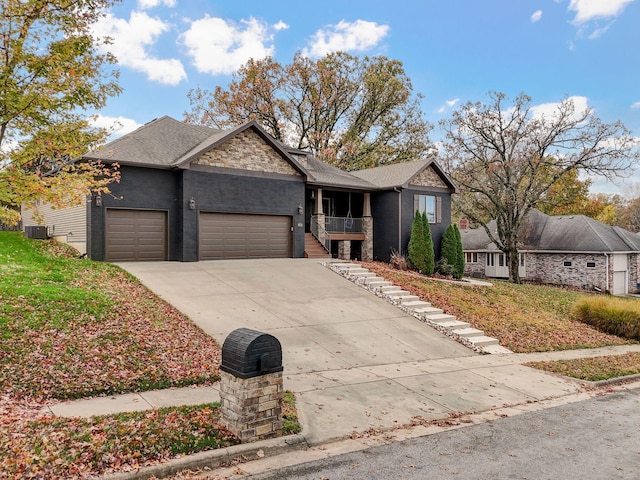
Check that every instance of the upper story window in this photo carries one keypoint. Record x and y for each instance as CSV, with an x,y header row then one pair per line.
x,y
429,204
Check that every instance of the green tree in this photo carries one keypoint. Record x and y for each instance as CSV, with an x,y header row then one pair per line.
x,y
459,270
505,158
51,70
449,248
417,246
430,259
352,112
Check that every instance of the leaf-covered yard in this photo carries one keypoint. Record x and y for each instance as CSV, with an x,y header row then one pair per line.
x,y
525,318
74,328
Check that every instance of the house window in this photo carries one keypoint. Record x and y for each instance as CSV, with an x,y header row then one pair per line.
x,y
471,257
522,259
427,204
591,264
430,205
501,259
568,263
491,262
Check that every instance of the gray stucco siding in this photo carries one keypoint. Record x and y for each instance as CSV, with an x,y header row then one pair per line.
x,y
139,188
437,229
384,210
222,193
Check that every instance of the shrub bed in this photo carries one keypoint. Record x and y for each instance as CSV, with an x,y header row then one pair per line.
x,y
617,316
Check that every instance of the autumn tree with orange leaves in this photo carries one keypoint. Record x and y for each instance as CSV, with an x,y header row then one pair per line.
x,y
51,70
353,112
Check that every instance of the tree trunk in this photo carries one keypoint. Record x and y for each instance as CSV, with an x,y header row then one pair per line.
x,y
513,261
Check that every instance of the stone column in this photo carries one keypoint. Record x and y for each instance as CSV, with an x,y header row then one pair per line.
x,y
344,249
367,243
251,408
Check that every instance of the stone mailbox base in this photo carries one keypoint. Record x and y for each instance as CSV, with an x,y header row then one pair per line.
x,y
251,408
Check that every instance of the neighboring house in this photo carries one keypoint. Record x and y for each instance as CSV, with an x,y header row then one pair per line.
x,y
190,193
571,250
67,225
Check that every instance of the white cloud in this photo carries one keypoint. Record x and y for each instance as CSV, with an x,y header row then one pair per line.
x,y
146,4
448,104
117,126
131,41
280,26
549,110
346,36
220,47
587,10
537,15
635,106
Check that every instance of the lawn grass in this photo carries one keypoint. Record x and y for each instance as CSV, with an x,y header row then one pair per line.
x,y
595,368
524,318
43,446
74,328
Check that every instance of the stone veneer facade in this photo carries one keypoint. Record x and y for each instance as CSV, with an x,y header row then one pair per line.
x,y
247,151
429,178
251,408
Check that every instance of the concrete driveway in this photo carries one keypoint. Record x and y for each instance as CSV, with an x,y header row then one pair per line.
x,y
354,361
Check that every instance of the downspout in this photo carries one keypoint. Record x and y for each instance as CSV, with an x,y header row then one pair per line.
x,y
399,192
606,257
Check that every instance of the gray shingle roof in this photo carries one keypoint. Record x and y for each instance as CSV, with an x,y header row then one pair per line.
x,y
565,233
321,173
399,174
158,143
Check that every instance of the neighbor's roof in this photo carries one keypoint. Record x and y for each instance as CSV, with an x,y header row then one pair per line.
x,y
158,143
566,233
400,174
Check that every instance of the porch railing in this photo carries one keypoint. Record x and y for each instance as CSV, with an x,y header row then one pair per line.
x,y
343,225
320,233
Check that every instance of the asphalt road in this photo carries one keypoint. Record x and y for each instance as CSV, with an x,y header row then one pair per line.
x,y
594,439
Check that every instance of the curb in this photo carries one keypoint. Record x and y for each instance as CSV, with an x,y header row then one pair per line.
x,y
215,458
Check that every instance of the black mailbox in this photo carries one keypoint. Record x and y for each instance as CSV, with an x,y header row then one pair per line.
x,y
248,353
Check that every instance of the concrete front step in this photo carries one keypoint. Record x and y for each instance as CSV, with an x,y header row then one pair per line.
x,y
388,287
454,325
428,310
483,341
361,273
369,280
404,298
419,305
440,317
469,332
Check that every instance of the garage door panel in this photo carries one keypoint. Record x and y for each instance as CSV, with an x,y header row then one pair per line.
x,y
226,235
136,235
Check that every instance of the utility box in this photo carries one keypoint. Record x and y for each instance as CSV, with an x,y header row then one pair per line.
x,y
36,231
251,388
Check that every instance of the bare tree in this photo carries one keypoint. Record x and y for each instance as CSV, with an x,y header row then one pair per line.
x,y
505,158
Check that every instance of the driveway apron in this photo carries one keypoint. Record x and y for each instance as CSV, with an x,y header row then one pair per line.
x,y
354,361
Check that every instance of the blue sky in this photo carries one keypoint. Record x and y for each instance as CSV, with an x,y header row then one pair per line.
x,y
454,51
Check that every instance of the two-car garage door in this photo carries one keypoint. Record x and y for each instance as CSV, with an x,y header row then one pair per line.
x,y
231,235
134,235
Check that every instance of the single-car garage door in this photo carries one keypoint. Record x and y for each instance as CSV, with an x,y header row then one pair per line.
x,y
231,235
135,235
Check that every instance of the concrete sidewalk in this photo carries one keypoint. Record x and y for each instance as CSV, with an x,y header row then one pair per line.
x,y
487,365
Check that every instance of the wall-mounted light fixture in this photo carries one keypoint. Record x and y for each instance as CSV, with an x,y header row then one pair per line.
x,y
98,200
313,194
192,203
300,209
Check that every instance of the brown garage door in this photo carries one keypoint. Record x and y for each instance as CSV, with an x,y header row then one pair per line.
x,y
136,235
230,235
